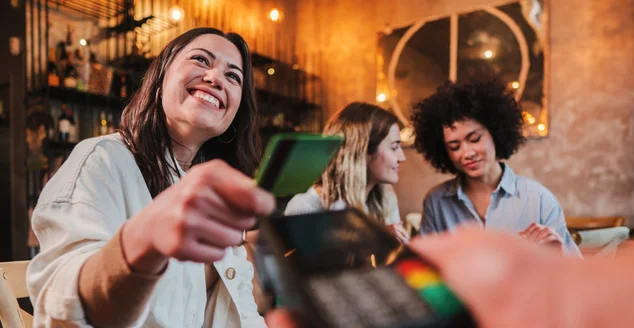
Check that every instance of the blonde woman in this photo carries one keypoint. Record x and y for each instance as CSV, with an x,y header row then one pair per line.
x,y
362,171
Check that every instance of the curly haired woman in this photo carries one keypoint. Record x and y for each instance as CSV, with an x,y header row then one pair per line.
x,y
468,131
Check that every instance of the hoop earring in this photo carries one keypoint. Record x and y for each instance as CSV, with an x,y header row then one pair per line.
x,y
233,137
158,96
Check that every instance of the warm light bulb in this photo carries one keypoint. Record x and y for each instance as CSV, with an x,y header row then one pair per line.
x,y
83,42
271,71
541,127
274,15
515,85
295,66
531,120
488,54
176,13
104,122
381,97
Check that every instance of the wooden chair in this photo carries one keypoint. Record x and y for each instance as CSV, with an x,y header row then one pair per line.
x,y
586,223
412,222
12,287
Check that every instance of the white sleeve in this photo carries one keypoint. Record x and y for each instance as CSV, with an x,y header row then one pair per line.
x,y
78,212
306,203
393,214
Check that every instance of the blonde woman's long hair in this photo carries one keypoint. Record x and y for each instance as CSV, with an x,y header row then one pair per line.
x,y
364,126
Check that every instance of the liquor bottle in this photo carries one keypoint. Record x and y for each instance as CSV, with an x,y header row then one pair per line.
x,y
63,125
111,124
124,88
3,115
69,35
103,124
74,129
82,68
70,73
53,70
79,57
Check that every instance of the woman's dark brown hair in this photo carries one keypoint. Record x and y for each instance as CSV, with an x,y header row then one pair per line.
x,y
144,128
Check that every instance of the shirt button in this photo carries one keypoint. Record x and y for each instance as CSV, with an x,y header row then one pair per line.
x,y
230,273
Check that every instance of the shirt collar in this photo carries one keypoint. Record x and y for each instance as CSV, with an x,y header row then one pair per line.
x,y
507,183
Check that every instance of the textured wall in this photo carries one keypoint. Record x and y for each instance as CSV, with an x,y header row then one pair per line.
x,y
345,35
587,161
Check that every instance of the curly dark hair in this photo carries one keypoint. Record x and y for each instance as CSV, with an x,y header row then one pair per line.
x,y
485,101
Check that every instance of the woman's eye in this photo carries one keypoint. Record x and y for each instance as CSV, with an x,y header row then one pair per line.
x,y
201,59
235,77
476,139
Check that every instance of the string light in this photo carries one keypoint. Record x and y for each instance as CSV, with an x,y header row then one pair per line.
x,y
381,97
274,15
176,13
528,117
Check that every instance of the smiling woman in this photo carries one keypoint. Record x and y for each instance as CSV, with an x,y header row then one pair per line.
x,y
127,238
168,112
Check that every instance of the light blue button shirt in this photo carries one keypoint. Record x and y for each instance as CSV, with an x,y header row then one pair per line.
x,y
515,204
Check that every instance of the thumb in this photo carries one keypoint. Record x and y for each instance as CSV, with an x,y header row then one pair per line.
x,y
280,319
237,189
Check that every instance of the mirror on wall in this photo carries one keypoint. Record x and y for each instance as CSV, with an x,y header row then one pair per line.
x,y
508,42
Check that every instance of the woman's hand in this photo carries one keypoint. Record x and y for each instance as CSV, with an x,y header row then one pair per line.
x,y
542,235
398,230
280,318
494,274
195,219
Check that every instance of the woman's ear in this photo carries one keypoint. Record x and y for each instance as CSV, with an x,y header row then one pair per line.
x,y
369,158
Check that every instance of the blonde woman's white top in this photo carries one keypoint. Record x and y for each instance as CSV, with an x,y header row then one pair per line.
x,y
310,202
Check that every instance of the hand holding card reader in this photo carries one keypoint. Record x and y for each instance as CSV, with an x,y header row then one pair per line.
x,y
341,269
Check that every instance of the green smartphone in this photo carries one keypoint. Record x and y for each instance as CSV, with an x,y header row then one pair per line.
x,y
292,162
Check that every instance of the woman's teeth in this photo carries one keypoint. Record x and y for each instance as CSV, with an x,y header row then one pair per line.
x,y
207,97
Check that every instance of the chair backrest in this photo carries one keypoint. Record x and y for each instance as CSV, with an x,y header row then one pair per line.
x,y
586,223
414,220
16,274
605,241
12,287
